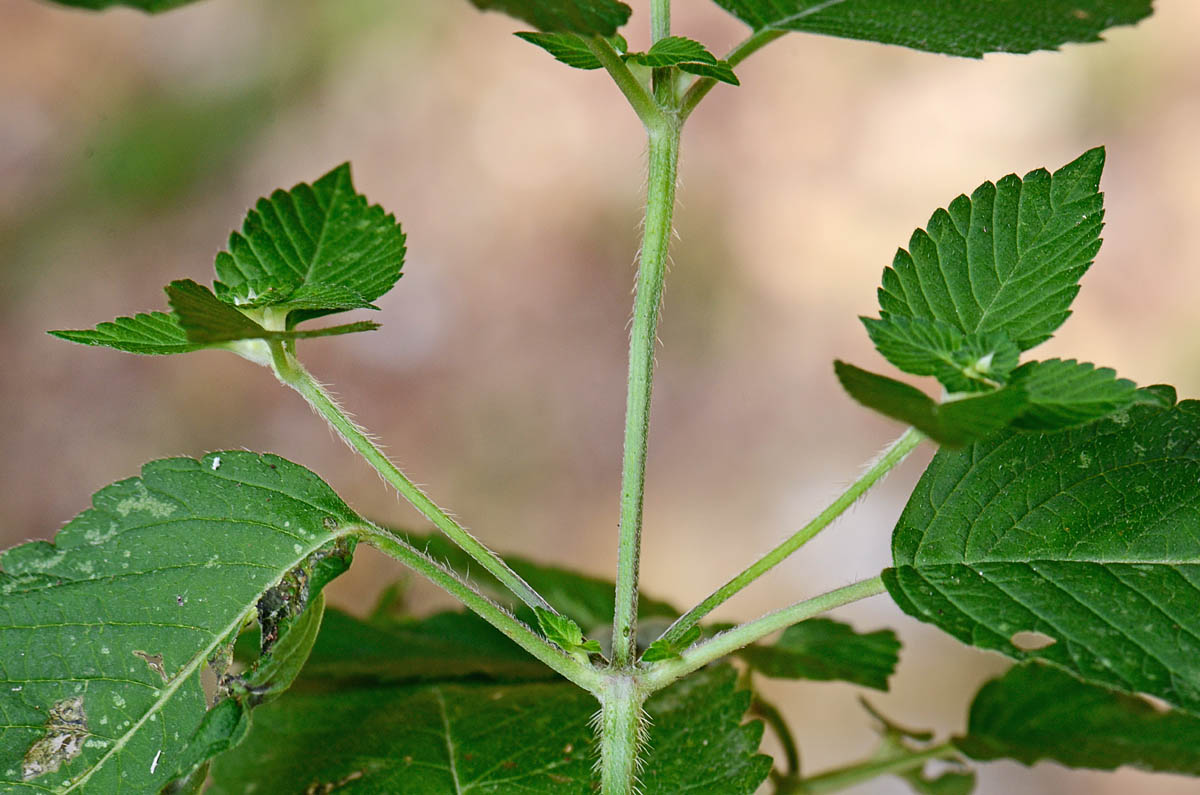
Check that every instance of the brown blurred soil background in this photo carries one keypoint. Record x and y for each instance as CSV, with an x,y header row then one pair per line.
x,y
130,146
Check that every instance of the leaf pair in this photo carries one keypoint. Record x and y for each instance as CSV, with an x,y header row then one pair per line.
x,y
678,51
301,254
992,276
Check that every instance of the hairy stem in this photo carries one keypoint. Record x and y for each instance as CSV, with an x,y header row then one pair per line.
x,y
645,107
622,727
292,373
576,671
844,777
890,458
660,206
664,673
703,85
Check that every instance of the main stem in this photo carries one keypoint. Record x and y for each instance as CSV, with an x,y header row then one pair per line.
x,y
660,207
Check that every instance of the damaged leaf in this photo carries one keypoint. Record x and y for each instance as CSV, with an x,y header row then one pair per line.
x,y
104,633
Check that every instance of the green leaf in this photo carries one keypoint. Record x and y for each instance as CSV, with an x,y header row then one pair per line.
x,y
1036,712
1007,259
564,633
1063,394
826,650
312,250
690,56
949,783
665,649
954,423
153,6
156,333
955,27
1090,537
961,362
570,48
459,736
586,17
721,71
104,633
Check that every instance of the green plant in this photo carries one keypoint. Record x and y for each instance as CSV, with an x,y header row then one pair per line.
x,y
1062,504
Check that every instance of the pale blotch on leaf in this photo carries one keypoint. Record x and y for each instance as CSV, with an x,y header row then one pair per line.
x,y
1032,641
142,501
66,729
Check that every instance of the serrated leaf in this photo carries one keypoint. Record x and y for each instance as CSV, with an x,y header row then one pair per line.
x,y
1035,712
1007,259
563,632
586,17
322,243
570,48
665,649
953,423
954,27
721,71
442,737
961,362
673,50
1090,537
152,6
825,650
153,333
1063,394
109,627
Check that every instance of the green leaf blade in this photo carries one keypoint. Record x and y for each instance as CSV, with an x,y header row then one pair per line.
x,y
150,6
115,620
968,28
322,243
1008,259
1088,536
567,48
149,333
585,17
1065,394
821,649
1036,712
960,362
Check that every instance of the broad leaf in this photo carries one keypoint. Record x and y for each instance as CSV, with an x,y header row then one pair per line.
x,y
586,17
827,650
961,362
156,333
104,633
955,27
954,423
312,250
460,736
1090,537
1036,712
1007,259
1063,394
153,6
570,48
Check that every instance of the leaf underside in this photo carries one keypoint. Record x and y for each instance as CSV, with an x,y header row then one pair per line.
x,y
585,17
152,333
1090,537
955,27
826,650
1036,712
104,633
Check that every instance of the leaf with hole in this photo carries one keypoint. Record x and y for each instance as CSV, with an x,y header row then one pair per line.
x,y
105,632
1036,712
954,27
1090,537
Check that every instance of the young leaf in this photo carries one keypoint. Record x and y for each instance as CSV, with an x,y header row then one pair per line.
x,y
312,250
826,650
1036,712
570,48
153,6
1063,394
442,737
664,649
1007,259
690,56
1090,537
585,17
721,70
105,632
564,633
954,27
954,423
156,333
961,362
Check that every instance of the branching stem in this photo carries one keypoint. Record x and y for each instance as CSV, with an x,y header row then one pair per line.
x,y
292,373
890,458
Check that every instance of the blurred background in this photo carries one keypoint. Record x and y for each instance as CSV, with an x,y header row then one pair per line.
x,y
131,145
